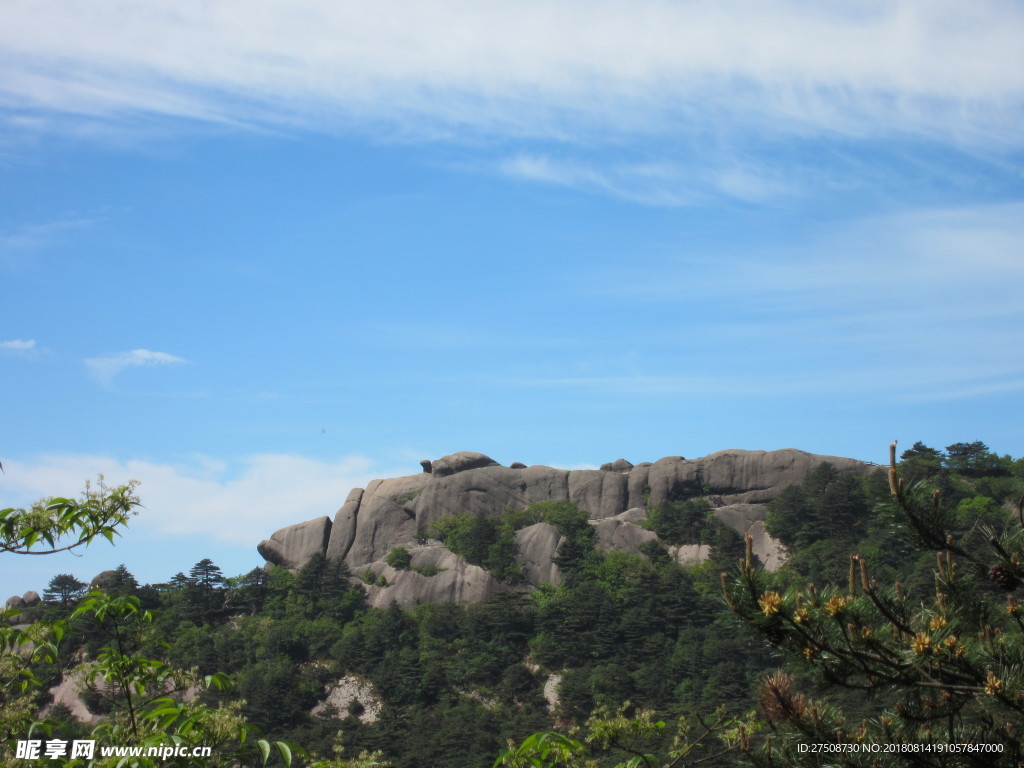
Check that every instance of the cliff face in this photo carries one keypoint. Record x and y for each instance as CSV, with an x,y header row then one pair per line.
x,y
389,513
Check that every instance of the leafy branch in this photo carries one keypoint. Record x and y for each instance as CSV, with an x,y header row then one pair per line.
x,y
99,513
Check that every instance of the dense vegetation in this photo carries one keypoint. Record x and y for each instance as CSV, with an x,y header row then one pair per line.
x,y
457,683
915,656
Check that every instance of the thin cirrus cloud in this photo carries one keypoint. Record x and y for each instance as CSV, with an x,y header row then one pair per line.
x,y
661,183
658,185
31,237
555,70
104,369
18,345
882,305
937,260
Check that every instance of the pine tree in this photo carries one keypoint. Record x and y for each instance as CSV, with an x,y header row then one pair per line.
x,y
206,575
309,581
920,462
64,589
204,595
248,591
940,674
122,582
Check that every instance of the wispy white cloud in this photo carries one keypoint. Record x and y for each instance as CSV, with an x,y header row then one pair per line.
x,y
18,345
206,507
921,305
30,237
238,502
443,336
915,259
648,184
913,380
24,349
662,183
106,368
532,68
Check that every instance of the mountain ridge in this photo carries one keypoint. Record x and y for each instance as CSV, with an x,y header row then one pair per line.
x,y
398,512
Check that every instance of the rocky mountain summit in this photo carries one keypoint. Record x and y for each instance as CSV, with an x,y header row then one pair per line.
x,y
397,512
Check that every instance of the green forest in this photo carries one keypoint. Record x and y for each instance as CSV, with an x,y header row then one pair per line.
x,y
893,622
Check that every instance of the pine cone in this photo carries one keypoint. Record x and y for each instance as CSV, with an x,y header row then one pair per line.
x,y
1003,578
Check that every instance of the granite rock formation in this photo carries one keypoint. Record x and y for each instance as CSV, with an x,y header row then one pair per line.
x,y
29,600
104,580
398,512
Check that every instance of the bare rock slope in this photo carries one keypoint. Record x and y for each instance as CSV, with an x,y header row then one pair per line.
x,y
398,511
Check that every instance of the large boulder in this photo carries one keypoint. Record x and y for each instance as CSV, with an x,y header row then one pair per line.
x,y
488,490
603,494
689,554
343,531
385,518
614,534
619,465
757,477
460,462
453,580
537,546
108,579
291,547
749,519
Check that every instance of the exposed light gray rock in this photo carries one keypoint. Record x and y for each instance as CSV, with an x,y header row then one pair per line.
x,y
633,515
637,490
32,599
486,701
619,465
16,601
457,582
768,550
602,494
517,465
343,531
350,689
68,692
489,490
386,517
739,517
394,511
107,579
614,534
749,518
291,547
689,554
460,462
756,477
538,544
551,688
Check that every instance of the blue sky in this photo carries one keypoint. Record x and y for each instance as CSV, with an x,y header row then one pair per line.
x,y
253,254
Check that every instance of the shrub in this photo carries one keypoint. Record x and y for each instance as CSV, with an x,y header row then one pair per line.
x,y
399,559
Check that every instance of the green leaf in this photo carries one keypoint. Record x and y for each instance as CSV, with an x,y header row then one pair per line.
x,y
286,752
264,747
